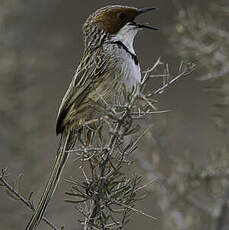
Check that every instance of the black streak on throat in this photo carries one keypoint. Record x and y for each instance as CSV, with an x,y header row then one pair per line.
x,y
121,45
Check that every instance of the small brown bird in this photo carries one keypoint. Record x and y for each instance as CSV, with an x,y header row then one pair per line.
x,y
108,63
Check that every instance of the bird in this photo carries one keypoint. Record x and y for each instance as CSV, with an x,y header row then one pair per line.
x,y
108,64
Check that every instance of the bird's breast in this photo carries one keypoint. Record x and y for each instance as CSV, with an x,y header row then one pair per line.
x,y
122,70
126,69
131,74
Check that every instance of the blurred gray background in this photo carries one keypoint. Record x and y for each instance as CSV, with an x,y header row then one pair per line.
x,y
40,47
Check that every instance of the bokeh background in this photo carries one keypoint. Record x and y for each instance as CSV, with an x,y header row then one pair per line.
x,y
40,47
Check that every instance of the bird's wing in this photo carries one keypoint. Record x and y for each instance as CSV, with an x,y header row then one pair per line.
x,y
92,66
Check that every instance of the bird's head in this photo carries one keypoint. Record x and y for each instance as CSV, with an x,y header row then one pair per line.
x,y
116,22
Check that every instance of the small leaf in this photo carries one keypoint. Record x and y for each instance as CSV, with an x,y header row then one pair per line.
x,y
76,201
133,130
75,194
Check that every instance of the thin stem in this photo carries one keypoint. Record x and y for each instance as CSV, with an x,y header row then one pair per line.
x,y
25,201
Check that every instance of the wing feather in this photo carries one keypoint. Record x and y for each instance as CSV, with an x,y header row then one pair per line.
x,y
92,68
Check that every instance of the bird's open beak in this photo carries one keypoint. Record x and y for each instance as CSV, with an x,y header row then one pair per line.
x,y
142,11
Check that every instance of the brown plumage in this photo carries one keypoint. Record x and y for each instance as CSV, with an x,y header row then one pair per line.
x,y
107,65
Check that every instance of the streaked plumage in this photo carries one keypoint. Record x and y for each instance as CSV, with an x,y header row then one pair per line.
x,y
109,63
100,74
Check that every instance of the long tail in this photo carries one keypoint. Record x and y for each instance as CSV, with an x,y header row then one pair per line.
x,y
54,177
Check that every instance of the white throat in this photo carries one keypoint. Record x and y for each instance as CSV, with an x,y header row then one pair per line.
x,y
126,36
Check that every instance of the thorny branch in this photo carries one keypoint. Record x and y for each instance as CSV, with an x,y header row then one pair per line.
x,y
107,197
16,195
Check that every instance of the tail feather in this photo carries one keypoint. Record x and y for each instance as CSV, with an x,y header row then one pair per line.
x,y
51,185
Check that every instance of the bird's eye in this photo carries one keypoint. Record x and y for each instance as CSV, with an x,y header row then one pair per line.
x,y
122,16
